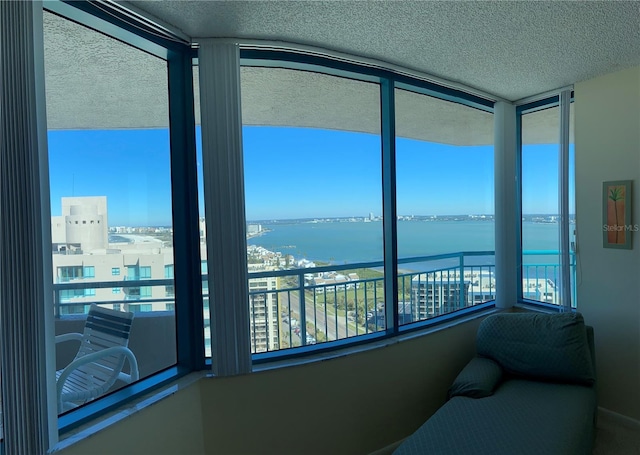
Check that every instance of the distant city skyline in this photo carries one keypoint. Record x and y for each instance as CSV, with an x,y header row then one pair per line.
x,y
294,173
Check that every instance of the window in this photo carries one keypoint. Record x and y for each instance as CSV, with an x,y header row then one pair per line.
x,y
541,193
317,226
73,309
145,273
445,205
110,180
89,272
133,272
168,273
313,192
66,295
140,308
69,273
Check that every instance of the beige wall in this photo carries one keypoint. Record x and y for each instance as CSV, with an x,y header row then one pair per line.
x,y
350,405
169,427
607,115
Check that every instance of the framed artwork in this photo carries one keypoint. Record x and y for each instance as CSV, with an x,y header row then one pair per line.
x,y
616,214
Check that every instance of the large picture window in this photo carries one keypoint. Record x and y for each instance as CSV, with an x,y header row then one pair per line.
x,y
323,254
313,189
445,206
111,202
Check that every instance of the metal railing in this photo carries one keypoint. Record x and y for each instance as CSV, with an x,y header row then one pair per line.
x,y
544,278
326,304
299,307
74,302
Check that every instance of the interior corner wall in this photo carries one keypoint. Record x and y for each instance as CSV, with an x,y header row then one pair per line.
x,y
354,404
607,144
171,426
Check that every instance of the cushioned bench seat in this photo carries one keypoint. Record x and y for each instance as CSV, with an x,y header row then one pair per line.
x,y
522,417
529,391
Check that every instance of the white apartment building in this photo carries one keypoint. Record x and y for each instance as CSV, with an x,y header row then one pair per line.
x,y
263,313
438,293
82,254
83,222
441,292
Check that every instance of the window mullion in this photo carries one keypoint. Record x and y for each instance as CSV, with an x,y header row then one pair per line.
x,y
390,233
507,197
187,281
563,194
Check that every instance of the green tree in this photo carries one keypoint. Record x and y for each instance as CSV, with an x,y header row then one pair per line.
x,y
362,314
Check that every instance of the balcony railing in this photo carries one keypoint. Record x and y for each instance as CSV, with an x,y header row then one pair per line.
x,y
73,298
300,307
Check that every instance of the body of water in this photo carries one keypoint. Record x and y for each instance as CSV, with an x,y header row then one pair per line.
x,y
344,243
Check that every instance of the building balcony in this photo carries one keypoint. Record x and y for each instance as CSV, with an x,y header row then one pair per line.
x,y
293,313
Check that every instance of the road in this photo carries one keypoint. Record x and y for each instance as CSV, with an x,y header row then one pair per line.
x,y
334,329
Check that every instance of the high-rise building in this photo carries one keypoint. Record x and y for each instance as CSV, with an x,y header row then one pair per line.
x,y
263,313
82,253
438,293
83,224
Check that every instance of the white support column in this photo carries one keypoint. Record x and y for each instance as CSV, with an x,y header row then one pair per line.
x,y
563,179
26,299
507,214
224,206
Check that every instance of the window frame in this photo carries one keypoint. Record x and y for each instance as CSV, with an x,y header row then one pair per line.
x,y
388,80
88,271
179,55
562,99
115,22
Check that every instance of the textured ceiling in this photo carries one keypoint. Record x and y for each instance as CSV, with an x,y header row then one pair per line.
x,y
95,82
284,97
509,49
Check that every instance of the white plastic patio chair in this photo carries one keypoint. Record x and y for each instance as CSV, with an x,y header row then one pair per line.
x,y
100,358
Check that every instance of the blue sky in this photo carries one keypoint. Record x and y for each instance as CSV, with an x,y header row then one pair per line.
x,y
293,173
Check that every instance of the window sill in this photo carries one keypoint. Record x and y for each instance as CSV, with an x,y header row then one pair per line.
x,y
538,307
128,409
381,343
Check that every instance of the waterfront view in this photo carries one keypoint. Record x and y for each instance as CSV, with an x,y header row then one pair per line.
x,y
313,197
342,241
327,275
310,281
